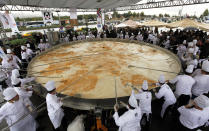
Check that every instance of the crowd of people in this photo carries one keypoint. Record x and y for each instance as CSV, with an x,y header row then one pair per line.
x,y
187,103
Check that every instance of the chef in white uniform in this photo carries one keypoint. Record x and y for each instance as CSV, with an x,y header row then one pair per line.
x,y
145,98
54,105
165,92
132,36
13,110
181,49
184,85
193,115
167,42
29,52
41,45
202,81
130,120
127,36
121,35
14,57
139,37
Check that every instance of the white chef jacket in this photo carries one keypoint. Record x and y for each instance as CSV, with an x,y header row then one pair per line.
x,y
121,36
139,37
193,118
166,92
24,55
197,72
145,99
126,36
54,109
129,121
181,50
184,84
132,37
201,85
29,52
12,112
25,95
16,59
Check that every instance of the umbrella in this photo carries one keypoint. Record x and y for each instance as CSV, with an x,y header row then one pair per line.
x,y
154,23
185,23
128,23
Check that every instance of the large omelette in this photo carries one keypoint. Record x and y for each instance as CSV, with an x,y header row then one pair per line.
x,y
91,70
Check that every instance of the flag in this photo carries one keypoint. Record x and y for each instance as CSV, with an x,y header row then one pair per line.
x,y
47,17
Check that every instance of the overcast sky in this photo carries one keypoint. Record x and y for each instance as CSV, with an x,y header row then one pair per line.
x,y
190,10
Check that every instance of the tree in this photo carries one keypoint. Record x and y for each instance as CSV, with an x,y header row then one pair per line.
x,y
142,14
160,15
134,14
205,13
166,15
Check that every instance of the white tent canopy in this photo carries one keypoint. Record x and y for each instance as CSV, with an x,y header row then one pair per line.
x,y
82,4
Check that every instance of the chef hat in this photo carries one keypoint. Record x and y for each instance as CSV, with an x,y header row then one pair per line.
x,y
23,47
9,51
202,101
168,37
50,86
139,33
126,33
47,40
161,79
205,66
145,85
195,42
9,93
191,50
189,69
41,40
28,45
190,44
132,33
184,42
15,73
132,100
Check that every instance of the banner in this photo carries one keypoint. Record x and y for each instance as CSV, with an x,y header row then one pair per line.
x,y
47,17
8,21
73,17
99,19
73,14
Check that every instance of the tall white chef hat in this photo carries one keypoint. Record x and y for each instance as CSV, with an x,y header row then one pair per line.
x,y
132,33
139,33
168,37
191,50
126,33
50,86
202,101
190,44
9,93
161,79
194,41
9,51
205,66
145,85
132,100
184,42
41,40
190,69
47,40
28,45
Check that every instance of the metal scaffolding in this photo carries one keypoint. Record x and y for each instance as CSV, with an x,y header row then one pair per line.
x,y
169,3
29,8
150,4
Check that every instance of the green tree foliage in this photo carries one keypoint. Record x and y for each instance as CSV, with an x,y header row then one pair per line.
x,y
205,13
